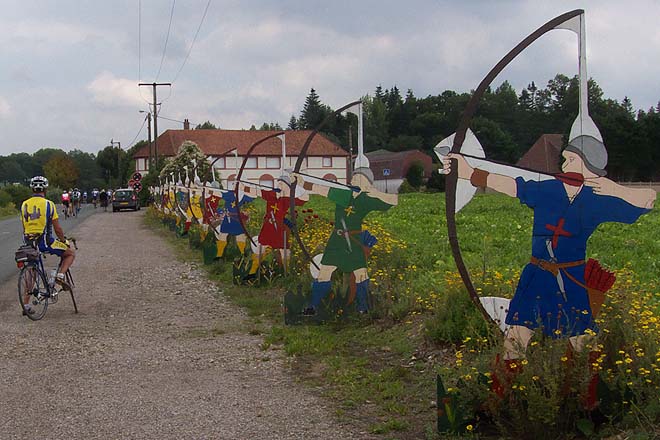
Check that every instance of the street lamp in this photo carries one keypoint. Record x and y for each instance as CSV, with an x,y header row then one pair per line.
x,y
112,144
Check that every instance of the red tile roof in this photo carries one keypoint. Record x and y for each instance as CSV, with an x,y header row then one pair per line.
x,y
220,142
544,155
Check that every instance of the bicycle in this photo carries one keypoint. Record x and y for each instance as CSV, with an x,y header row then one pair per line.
x,y
35,288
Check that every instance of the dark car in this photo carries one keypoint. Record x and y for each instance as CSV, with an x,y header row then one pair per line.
x,y
125,198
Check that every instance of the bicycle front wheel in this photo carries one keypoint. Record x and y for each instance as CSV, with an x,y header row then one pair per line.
x,y
33,292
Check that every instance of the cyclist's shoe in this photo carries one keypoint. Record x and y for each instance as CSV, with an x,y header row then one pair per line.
x,y
61,281
27,310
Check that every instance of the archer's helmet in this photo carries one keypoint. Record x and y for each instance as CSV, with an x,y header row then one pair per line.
x,y
592,151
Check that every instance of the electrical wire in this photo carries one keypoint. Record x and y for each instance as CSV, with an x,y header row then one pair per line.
x,y
193,41
167,38
174,120
144,121
139,40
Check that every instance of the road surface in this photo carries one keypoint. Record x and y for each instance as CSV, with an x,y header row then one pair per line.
x,y
156,352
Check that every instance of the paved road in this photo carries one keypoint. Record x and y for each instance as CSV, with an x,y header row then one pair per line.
x,y
11,232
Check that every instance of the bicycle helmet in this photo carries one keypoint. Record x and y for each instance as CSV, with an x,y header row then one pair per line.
x,y
38,183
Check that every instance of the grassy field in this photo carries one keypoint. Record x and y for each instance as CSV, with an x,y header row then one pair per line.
x,y
381,369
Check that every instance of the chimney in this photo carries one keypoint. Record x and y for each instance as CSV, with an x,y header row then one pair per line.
x,y
186,124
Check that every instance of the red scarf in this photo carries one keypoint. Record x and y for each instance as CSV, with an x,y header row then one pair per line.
x,y
573,179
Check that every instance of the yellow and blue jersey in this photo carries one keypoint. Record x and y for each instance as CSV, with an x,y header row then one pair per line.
x,y
37,215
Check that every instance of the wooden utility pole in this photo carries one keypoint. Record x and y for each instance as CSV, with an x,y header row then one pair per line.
x,y
155,113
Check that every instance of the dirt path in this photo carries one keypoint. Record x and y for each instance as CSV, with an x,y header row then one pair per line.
x,y
154,353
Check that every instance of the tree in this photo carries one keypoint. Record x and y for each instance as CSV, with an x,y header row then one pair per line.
x,y
415,174
272,126
206,126
90,172
11,171
293,123
61,171
313,112
188,159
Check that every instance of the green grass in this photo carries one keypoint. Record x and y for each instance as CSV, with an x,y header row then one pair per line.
x,y
382,372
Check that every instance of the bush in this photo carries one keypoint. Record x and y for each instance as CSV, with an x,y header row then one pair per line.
x,y
18,194
406,187
454,317
415,174
5,198
436,182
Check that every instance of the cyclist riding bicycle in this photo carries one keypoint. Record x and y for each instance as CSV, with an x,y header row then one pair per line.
x,y
84,197
66,200
40,219
95,196
75,196
103,197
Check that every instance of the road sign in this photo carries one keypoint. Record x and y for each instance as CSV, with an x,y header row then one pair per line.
x,y
386,172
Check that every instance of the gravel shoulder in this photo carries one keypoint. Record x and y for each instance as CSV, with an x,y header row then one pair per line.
x,y
155,352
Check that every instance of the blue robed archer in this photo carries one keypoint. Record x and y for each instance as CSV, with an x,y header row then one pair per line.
x,y
567,226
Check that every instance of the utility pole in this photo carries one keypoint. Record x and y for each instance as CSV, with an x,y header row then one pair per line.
x,y
112,144
155,113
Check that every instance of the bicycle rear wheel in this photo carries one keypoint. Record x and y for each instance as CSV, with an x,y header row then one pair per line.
x,y
33,292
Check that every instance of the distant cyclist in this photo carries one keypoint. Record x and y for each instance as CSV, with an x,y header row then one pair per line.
x,y
103,197
84,198
66,202
95,196
40,219
75,197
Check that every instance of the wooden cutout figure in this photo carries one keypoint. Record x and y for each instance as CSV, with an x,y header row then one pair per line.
x,y
275,234
227,219
347,247
558,290
552,291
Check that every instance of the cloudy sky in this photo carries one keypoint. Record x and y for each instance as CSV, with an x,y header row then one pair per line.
x,y
69,69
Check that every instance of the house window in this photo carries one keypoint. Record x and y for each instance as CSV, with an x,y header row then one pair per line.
x,y
327,162
272,162
146,164
251,162
267,180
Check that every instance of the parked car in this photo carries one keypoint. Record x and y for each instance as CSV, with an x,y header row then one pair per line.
x,y
125,198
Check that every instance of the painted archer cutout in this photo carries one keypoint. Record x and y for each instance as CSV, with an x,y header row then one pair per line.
x,y
275,233
349,244
558,291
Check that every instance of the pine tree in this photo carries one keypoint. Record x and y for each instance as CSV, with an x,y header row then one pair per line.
x,y
293,123
313,111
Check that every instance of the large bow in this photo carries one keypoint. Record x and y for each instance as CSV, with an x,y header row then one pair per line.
x,y
562,21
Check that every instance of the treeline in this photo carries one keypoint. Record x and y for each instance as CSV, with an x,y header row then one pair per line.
x,y
507,122
111,167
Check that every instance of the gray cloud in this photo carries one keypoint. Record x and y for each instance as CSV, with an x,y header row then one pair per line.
x,y
69,69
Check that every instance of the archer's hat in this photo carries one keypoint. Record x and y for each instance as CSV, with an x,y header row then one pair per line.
x,y
592,151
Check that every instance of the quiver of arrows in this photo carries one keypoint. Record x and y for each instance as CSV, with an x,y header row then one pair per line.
x,y
598,281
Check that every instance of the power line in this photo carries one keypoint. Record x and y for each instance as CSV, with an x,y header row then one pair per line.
x,y
167,38
176,120
193,41
131,143
139,40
